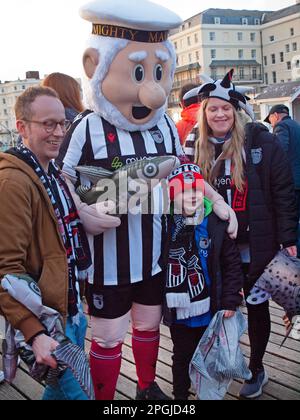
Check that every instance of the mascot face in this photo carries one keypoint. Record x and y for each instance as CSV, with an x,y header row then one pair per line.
x,y
139,81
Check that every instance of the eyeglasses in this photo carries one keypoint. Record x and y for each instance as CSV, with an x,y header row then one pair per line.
x,y
50,125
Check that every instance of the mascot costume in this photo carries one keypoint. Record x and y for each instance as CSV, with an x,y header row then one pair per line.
x,y
130,65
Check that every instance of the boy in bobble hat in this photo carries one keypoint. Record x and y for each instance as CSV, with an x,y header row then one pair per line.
x,y
129,65
204,272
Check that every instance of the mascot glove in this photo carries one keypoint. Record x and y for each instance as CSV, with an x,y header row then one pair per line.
x,y
95,218
225,212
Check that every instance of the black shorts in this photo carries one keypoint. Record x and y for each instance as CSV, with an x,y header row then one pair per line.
x,y
111,302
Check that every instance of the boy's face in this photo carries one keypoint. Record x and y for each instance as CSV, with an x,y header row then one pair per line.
x,y
188,202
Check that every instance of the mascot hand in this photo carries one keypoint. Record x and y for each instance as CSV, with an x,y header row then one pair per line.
x,y
222,210
95,218
225,212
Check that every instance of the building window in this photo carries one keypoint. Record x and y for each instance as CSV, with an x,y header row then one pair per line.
x,y
5,112
197,56
253,54
297,64
190,24
240,36
183,27
272,38
274,76
273,59
16,88
289,65
241,73
213,53
256,21
281,57
292,32
4,101
212,36
181,43
190,58
196,38
241,54
287,48
244,21
252,36
265,60
266,79
217,20
294,46
175,45
189,40
254,73
23,87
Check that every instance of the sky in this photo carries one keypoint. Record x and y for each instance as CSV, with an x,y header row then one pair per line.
x,y
50,36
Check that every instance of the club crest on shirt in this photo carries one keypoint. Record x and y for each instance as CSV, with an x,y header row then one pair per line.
x,y
256,155
98,302
157,136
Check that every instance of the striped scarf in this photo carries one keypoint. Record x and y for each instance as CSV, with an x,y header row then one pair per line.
x,y
70,227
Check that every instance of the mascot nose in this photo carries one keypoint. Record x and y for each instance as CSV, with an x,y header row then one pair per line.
x,y
152,95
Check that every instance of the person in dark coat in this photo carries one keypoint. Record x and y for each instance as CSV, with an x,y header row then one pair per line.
x,y
287,132
204,273
247,166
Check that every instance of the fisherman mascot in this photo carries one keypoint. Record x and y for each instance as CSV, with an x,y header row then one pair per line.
x,y
130,65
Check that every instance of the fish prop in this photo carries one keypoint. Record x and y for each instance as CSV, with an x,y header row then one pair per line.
x,y
119,186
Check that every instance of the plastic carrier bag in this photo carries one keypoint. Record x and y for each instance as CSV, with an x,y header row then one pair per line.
x,y
218,358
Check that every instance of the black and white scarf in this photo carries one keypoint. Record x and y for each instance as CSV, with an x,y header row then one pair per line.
x,y
70,227
186,289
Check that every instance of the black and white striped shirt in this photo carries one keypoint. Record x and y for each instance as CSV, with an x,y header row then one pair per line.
x,y
189,147
136,250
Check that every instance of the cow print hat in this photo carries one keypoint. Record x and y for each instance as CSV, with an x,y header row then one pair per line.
x,y
225,90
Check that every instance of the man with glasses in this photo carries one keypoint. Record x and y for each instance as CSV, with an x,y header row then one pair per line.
x,y
41,234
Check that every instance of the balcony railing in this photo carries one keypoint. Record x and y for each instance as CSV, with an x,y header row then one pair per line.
x,y
241,78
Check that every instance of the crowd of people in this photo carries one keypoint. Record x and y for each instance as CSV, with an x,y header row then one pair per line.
x,y
235,183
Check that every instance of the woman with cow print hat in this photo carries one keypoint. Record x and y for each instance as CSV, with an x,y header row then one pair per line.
x,y
247,166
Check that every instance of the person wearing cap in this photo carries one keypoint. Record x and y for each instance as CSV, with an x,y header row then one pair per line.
x,y
129,66
287,132
204,273
190,109
248,168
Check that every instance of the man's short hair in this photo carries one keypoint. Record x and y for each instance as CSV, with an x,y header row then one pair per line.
x,y
24,101
185,89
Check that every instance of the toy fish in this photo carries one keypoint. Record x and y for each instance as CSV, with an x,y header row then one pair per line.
x,y
123,183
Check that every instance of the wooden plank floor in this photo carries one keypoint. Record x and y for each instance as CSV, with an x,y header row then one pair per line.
x,y
283,366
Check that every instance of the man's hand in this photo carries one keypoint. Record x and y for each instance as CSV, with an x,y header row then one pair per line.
x,y
42,347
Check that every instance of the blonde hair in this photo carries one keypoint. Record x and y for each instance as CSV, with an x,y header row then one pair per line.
x,y
233,149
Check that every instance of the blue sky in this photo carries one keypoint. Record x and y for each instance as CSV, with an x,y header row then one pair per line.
x,y
50,36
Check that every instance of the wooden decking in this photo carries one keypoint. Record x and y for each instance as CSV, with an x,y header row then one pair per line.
x,y
283,366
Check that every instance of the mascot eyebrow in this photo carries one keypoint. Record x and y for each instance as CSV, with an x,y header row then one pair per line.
x,y
162,55
138,56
